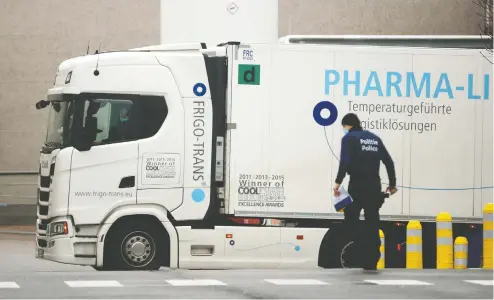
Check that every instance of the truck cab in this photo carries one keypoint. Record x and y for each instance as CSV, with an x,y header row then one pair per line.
x,y
127,130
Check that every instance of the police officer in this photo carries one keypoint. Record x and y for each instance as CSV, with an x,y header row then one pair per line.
x,y
361,156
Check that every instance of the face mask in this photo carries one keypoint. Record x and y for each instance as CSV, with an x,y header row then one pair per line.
x,y
345,131
124,119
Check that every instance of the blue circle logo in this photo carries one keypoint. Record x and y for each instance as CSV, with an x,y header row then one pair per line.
x,y
297,248
333,113
198,195
199,89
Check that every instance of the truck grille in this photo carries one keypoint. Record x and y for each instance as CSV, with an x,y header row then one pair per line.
x,y
44,196
43,224
43,210
44,181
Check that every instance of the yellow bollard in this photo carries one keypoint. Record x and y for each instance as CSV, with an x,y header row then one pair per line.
x,y
380,263
414,245
461,252
488,236
444,236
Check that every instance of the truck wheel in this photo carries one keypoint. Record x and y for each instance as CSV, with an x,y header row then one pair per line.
x,y
341,249
348,255
135,247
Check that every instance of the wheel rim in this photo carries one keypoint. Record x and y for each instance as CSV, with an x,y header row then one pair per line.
x,y
138,249
346,253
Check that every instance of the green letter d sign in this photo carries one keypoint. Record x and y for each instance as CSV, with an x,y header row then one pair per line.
x,y
249,74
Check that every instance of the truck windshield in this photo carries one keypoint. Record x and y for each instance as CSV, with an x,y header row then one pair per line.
x,y
92,119
59,123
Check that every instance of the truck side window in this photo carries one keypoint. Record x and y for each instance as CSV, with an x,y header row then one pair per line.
x,y
153,112
120,118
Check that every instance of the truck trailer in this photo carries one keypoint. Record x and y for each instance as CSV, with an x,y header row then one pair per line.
x,y
197,157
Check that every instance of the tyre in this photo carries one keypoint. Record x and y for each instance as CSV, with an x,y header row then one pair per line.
x,y
135,246
340,249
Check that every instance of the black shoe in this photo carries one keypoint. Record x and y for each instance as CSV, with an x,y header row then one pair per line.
x,y
370,268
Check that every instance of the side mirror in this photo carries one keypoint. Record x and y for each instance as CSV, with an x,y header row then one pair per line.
x,y
82,145
83,142
88,135
42,104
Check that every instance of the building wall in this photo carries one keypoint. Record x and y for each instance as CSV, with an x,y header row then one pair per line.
x,y
426,17
36,35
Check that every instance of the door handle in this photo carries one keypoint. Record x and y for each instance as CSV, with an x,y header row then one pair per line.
x,y
127,182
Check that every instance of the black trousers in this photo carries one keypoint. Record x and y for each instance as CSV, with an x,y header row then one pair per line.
x,y
366,195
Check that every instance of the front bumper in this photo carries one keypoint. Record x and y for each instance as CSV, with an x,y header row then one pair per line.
x,y
65,248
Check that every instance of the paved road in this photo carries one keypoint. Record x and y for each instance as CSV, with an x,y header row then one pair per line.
x,y
23,276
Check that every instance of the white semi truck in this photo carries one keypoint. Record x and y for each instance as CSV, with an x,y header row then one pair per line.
x,y
188,156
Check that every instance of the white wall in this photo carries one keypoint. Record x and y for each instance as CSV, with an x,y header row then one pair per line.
x,y
218,21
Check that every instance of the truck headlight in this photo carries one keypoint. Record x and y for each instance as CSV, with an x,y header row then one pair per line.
x,y
57,228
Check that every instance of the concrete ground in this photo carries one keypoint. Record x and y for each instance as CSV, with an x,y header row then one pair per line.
x,y
22,276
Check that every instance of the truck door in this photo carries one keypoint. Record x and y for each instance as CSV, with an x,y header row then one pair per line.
x,y
105,176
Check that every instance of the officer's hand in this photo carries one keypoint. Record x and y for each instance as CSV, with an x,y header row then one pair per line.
x,y
391,190
336,190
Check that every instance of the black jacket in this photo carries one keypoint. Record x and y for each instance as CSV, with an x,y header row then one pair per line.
x,y
361,154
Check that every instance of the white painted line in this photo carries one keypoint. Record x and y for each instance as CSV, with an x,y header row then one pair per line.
x,y
480,282
93,283
8,285
296,282
194,282
398,282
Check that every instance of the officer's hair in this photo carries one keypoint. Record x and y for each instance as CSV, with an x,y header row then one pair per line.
x,y
351,119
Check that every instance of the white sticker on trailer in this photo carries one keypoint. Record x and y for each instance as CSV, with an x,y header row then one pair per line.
x,y
260,190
